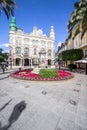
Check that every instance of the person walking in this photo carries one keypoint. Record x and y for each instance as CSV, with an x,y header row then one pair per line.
x,y
3,67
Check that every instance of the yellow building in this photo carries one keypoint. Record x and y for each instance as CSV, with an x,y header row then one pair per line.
x,y
77,43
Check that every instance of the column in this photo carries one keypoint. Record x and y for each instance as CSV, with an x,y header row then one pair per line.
x,y
31,62
23,62
20,62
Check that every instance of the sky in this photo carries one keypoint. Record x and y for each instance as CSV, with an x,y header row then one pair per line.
x,y
40,13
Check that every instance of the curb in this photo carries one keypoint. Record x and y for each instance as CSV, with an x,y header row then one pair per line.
x,y
5,77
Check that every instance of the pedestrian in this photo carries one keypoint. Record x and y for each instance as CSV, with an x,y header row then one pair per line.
x,y
3,67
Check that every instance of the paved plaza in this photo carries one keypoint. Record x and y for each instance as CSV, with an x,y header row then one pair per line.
x,y
34,105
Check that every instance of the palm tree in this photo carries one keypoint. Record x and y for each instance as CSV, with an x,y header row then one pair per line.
x,y
8,7
1,50
78,20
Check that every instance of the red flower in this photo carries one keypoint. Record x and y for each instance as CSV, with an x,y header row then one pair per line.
x,y
26,74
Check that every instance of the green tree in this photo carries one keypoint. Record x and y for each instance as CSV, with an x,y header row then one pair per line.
x,y
72,55
1,50
7,6
3,56
78,20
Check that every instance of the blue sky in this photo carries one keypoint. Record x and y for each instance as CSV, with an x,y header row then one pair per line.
x,y
40,13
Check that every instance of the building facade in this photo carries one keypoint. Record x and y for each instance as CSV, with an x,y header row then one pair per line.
x,y
76,43
33,49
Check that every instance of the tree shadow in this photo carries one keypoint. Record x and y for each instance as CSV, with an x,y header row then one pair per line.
x,y
18,109
5,105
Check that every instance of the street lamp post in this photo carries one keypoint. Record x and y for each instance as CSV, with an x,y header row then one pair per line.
x,y
10,63
59,63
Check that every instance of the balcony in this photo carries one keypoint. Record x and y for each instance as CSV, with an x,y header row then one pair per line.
x,y
26,55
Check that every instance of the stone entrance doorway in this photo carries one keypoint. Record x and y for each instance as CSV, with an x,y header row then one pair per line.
x,y
18,61
49,62
26,62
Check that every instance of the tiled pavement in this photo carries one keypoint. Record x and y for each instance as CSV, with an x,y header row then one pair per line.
x,y
55,105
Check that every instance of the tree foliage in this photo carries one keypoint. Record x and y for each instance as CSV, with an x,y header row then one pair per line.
x,y
3,56
72,66
72,55
78,19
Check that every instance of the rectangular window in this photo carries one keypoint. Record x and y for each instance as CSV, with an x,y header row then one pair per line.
x,y
85,53
16,41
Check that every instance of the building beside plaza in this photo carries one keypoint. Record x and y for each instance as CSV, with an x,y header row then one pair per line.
x,y
33,49
76,43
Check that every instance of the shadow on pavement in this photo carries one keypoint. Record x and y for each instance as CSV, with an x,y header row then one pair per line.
x,y
18,109
5,105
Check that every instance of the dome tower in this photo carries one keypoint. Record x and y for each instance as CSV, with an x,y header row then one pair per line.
x,y
52,34
13,26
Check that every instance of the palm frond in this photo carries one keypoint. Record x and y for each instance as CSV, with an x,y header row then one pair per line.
x,y
78,19
7,6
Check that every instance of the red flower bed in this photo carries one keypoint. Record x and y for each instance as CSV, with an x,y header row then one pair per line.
x,y
28,75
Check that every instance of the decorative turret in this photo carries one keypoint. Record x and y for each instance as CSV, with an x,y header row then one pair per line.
x,y
52,34
13,26
35,30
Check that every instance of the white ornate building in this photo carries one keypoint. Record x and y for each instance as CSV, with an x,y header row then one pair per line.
x,y
33,49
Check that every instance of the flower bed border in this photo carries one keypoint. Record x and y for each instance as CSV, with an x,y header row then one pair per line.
x,y
43,79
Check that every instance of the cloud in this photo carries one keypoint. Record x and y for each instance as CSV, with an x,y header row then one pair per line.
x,y
4,45
59,44
40,32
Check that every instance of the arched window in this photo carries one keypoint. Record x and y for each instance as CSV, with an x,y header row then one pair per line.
x,y
11,40
33,41
18,40
18,50
26,51
49,52
36,41
26,40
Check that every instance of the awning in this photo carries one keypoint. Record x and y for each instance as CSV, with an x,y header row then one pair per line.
x,y
84,61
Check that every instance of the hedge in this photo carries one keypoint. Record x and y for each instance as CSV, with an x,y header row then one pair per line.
x,y
72,55
72,66
48,73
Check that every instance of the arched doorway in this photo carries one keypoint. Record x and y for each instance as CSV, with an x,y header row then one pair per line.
x,y
49,62
26,62
18,60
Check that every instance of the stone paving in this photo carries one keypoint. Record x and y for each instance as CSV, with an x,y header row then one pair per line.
x,y
33,105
